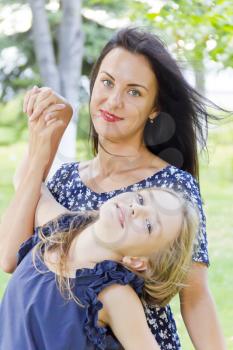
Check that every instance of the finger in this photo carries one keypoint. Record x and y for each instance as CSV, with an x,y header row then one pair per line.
x,y
37,124
27,96
45,92
52,111
42,106
25,101
54,108
50,116
39,95
31,103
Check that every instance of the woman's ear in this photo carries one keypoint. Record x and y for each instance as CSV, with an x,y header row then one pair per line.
x,y
135,263
154,113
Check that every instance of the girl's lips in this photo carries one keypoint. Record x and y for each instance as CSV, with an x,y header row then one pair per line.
x,y
109,117
121,215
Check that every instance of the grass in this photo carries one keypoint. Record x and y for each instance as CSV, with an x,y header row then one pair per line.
x,y
216,183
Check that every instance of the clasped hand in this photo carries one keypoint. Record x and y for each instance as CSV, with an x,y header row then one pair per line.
x,y
49,115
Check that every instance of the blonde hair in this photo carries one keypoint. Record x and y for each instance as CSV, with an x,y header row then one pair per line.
x,y
166,270
60,241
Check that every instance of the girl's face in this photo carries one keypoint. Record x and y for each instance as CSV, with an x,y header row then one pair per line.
x,y
123,95
139,223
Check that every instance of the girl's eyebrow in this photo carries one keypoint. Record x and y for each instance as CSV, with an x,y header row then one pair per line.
x,y
127,84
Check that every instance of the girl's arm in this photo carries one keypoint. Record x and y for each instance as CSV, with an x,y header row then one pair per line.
x,y
199,312
123,312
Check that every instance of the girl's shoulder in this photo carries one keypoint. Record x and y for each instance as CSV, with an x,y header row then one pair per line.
x,y
108,277
108,272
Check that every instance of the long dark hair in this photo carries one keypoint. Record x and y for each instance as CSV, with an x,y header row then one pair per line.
x,y
183,119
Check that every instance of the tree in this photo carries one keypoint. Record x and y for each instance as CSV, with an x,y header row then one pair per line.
x,y
63,76
197,30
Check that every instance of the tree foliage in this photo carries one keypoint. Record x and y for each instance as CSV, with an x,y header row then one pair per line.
x,y
197,28
193,29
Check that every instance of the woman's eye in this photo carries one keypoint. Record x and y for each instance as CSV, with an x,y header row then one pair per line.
x,y
148,226
135,93
106,82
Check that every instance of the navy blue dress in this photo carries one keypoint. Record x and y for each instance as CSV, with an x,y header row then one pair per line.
x,y
69,190
35,316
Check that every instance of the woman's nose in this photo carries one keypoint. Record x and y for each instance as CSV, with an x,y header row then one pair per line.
x,y
115,99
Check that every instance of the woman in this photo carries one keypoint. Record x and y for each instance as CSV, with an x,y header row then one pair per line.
x,y
145,121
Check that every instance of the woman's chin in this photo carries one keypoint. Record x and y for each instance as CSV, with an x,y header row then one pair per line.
x,y
111,132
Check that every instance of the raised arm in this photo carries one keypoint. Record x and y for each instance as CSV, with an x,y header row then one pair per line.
x,y
123,312
45,103
18,221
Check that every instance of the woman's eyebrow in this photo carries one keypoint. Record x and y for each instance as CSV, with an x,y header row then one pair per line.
x,y
127,84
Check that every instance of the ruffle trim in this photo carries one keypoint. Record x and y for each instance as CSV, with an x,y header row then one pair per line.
x,y
107,272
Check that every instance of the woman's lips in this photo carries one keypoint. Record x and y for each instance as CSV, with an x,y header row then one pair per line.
x,y
109,117
121,215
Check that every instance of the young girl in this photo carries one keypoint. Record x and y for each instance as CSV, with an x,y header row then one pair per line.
x,y
99,261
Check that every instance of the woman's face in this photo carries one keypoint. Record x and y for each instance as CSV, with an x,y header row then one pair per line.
x,y
123,95
139,223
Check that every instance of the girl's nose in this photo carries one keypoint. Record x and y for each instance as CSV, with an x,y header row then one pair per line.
x,y
138,210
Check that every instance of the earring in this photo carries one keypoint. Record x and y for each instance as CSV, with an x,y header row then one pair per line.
x,y
151,120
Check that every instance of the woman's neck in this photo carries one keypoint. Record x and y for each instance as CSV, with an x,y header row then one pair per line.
x,y
115,156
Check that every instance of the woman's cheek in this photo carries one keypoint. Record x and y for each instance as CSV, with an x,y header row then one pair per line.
x,y
98,99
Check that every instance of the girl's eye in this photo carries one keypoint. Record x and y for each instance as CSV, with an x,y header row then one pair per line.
x,y
141,202
148,226
106,82
140,199
136,93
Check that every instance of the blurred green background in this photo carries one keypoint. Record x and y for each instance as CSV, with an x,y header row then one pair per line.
x,y
198,34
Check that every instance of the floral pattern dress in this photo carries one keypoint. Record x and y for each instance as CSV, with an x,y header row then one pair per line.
x,y
70,191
